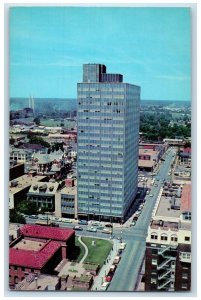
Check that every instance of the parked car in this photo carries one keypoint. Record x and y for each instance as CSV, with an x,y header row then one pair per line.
x,y
109,225
116,259
151,195
122,246
33,217
105,285
108,278
107,230
100,227
82,222
135,218
133,223
95,224
77,227
43,217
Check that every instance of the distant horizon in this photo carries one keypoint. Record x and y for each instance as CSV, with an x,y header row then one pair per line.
x,y
73,98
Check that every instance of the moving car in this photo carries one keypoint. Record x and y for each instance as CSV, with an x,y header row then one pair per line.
x,y
109,225
82,222
77,227
92,229
66,221
100,227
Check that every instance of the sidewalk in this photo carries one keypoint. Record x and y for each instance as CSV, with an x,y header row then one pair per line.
x,y
99,279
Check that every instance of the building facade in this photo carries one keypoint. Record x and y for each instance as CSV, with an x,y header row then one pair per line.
x,y
168,244
108,129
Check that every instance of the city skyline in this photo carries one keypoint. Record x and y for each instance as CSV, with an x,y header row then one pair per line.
x,y
48,48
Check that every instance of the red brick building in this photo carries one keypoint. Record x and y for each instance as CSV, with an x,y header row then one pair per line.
x,y
39,249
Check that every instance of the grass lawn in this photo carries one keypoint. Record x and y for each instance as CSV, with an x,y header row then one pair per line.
x,y
98,253
79,251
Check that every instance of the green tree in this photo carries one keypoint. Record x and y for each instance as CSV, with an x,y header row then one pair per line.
x,y
16,217
27,207
34,139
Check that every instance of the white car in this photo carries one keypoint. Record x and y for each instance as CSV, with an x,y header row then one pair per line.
x,y
150,195
104,286
106,230
92,229
66,221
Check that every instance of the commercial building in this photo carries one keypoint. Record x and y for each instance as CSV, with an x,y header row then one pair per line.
x,y
66,200
168,242
19,187
108,132
43,194
38,250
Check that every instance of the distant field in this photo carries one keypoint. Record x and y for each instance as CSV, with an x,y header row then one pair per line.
x,y
99,252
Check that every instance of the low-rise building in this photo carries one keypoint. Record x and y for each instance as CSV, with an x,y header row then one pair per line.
x,y
43,194
19,187
168,242
38,250
21,155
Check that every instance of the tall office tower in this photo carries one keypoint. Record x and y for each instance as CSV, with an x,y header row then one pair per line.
x,y
108,129
168,242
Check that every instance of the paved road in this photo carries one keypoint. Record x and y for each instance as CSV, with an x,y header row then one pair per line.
x,y
125,277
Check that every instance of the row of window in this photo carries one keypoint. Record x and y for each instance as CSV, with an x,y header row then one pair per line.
x,y
164,237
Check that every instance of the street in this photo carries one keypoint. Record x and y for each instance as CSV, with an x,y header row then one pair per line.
x,y
125,277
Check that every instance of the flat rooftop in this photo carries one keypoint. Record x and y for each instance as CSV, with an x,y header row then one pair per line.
x,y
175,200
164,225
186,198
146,163
70,190
26,244
147,151
164,208
23,182
43,281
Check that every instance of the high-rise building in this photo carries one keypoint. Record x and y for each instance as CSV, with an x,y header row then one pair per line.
x,y
168,242
108,129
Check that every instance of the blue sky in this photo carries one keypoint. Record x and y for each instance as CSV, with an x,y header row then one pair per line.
x,y
149,46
